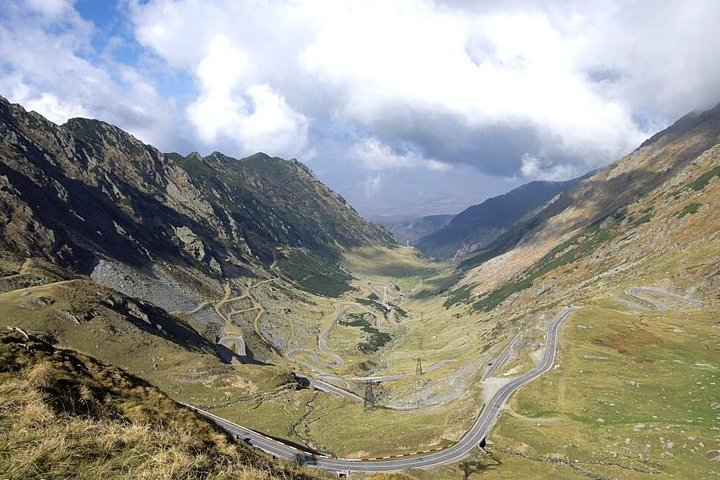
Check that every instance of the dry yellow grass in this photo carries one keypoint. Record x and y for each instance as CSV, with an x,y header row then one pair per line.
x,y
65,415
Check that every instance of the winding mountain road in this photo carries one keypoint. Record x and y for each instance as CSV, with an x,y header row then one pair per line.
x,y
642,294
332,388
502,358
480,429
237,344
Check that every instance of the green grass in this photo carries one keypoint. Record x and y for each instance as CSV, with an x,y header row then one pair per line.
x,y
402,312
396,263
643,219
702,181
617,371
458,295
315,274
689,209
375,339
371,303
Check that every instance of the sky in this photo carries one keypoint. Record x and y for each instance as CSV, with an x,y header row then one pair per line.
x,y
410,107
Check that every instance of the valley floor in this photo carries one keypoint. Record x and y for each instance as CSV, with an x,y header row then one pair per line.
x,y
633,393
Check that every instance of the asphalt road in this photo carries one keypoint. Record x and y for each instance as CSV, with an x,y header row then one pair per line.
x,y
322,346
641,293
333,389
501,359
239,343
452,454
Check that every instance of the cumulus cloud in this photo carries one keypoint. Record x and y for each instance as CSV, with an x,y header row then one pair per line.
x,y
534,167
423,66
512,90
50,8
373,184
463,84
45,65
252,119
376,156
52,107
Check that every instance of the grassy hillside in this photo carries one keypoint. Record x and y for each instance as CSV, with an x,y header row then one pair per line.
x,y
618,203
635,397
66,415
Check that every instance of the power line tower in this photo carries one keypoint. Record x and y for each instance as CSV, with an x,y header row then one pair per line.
x,y
418,360
369,395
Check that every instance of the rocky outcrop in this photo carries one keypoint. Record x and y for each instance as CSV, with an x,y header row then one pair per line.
x,y
85,190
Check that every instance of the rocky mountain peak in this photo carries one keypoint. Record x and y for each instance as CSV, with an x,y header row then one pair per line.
x,y
93,190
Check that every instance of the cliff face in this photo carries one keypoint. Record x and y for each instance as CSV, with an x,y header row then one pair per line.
x,y
86,189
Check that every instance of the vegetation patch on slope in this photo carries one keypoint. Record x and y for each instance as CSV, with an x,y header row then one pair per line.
x,y
458,295
375,339
702,181
567,252
369,302
315,274
689,209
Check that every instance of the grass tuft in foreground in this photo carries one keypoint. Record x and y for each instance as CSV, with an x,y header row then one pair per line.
x,y
66,415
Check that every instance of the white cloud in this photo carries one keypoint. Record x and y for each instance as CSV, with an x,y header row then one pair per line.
x,y
486,70
373,184
376,156
43,66
535,168
274,125
50,8
518,90
53,108
253,118
432,76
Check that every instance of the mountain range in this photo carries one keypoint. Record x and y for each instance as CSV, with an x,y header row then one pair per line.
x,y
659,187
84,190
408,229
479,225
250,289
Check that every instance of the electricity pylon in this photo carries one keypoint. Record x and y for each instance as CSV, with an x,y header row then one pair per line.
x,y
369,395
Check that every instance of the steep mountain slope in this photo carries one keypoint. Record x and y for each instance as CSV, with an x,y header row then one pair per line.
x,y
610,205
479,225
411,229
64,414
86,189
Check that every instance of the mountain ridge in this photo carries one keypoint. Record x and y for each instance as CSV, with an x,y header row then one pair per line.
x,y
479,225
594,213
216,212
